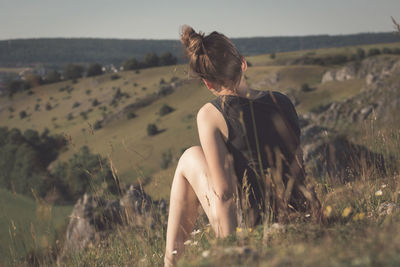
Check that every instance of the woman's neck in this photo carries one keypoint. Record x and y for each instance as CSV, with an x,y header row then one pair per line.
x,y
242,90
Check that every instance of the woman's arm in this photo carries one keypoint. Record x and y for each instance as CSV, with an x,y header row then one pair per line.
x,y
211,124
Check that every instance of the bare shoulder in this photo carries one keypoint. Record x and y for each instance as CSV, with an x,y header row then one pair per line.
x,y
210,117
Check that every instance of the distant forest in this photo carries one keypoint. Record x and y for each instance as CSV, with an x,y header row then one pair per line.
x,y
59,51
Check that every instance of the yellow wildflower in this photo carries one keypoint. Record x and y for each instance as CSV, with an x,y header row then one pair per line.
x,y
346,212
359,216
328,211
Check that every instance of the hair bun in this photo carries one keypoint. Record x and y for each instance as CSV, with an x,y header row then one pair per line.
x,y
191,40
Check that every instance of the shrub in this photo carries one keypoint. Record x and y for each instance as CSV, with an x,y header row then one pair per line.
x,y
131,115
174,79
152,129
83,115
166,159
115,77
305,87
94,70
162,81
37,107
165,109
88,92
97,125
22,114
70,116
95,102
48,106
272,56
76,104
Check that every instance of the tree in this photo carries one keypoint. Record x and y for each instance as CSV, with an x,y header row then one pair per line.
x,y
84,172
151,60
360,53
94,70
167,59
131,64
15,86
52,77
72,71
373,52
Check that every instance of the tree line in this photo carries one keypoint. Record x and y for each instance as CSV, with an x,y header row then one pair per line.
x,y
76,71
24,167
59,51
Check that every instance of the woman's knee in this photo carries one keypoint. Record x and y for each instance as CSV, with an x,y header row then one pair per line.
x,y
189,156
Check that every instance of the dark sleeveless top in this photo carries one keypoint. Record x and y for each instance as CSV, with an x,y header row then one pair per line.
x,y
258,130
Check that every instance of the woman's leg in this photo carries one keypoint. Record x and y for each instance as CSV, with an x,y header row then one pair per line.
x,y
189,188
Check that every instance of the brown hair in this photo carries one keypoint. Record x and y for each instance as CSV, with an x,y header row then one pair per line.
x,y
213,57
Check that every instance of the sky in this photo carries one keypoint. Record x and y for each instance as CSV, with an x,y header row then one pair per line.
x,y
162,19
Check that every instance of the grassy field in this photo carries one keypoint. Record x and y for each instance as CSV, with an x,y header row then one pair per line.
x,y
138,157
27,225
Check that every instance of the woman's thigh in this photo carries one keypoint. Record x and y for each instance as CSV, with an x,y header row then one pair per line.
x,y
193,166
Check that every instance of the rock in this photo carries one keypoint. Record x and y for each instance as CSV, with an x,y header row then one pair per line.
x,y
387,208
328,76
93,217
275,228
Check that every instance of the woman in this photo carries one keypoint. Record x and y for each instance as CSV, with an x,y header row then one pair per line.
x,y
246,136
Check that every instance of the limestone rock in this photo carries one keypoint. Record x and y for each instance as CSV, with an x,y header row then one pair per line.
x,y
93,217
387,208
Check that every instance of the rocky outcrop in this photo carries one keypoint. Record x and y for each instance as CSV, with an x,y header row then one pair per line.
x,y
372,69
93,217
329,155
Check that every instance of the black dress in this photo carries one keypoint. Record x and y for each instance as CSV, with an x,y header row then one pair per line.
x,y
263,133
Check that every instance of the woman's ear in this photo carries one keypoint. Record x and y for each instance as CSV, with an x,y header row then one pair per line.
x,y
209,84
244,64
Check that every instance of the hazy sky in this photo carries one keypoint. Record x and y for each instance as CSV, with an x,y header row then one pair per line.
x,y
161,19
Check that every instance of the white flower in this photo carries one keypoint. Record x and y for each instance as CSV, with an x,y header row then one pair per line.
x,y
205,253
383,186
195,232
188,242
378,193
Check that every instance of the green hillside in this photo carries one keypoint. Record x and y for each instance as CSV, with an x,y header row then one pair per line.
x,y
26,225
110,114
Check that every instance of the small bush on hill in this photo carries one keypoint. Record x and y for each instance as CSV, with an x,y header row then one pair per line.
x,y
165,109
131,115
115,77
22,114
76,104
152,129
48,106
70,116
305,87
95,102
166,159
97,125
